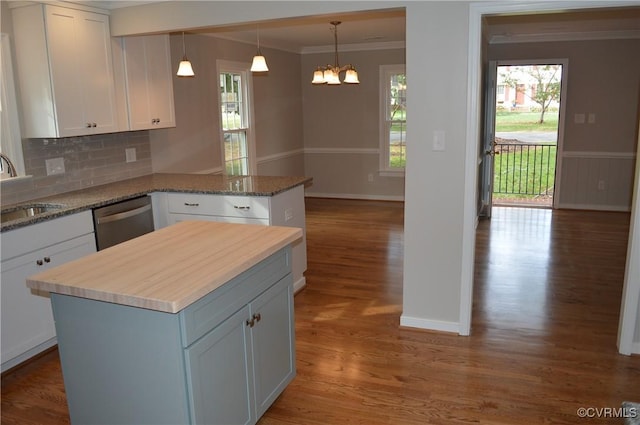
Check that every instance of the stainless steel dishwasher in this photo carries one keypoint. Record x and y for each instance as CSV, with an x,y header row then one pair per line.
x,y
119,222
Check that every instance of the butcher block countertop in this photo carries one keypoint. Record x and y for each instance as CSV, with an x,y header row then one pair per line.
x,y
169,269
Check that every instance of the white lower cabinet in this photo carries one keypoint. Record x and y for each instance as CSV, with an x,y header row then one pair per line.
x,y
27,321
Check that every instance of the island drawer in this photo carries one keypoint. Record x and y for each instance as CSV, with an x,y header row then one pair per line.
x,y
211,310
219,205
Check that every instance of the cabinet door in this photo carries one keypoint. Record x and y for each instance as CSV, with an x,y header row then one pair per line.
x,y
273,343
158,54
149,82
79,48
27,320
219,371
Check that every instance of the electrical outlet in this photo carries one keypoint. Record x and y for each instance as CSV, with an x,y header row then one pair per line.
x,y
55,166
370,177
288,214
601,185
591,118
130,154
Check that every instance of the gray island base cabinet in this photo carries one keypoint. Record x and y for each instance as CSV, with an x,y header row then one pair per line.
x,y
223,359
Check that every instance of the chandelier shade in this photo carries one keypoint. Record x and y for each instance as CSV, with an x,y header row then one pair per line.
x,y
330,74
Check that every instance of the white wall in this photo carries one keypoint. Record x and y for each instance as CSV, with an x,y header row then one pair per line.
x,y
437,71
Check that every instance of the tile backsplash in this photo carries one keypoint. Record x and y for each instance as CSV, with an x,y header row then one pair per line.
x,y
88,161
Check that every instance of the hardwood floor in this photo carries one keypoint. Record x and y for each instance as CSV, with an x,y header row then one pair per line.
x,y
546,304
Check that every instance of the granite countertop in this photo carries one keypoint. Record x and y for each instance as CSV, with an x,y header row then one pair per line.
x,y
97,196
127,273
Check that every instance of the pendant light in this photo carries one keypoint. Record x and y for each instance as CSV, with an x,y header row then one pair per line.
x,y
330,74
184,69
259,63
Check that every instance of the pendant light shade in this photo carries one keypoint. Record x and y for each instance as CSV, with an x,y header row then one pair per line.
x,y
259,63
330,74
184,69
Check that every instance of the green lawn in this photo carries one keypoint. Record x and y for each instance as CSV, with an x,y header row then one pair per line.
x,y
525,121
525,174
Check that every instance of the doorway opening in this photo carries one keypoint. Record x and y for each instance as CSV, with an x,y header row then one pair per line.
x,y
527,121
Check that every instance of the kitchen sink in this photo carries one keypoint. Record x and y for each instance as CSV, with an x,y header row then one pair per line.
x,y
28,210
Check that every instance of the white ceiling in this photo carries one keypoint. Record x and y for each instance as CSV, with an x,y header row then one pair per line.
x,y
386,28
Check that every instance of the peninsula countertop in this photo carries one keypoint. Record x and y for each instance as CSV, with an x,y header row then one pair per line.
x,y
169,269
97,196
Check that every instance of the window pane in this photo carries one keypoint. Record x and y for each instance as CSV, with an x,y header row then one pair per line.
x,y
236,158
231,102
397,120
397,144
234,121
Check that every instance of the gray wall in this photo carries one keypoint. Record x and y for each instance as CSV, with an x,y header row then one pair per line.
x,y
342,129
194,144
602,79
89,161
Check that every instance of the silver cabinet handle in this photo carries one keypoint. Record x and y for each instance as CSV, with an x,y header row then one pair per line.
x,y
188,204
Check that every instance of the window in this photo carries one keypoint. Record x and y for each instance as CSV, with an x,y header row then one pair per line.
x,y
236,119
393,109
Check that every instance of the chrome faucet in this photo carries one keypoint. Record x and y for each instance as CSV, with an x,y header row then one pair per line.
x,y
11,168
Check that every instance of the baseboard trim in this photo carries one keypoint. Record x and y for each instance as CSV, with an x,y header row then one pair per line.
x,y
299,284
635,348
354,196
23,359
594,207
432,325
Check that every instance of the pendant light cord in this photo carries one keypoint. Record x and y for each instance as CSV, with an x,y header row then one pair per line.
x,y
184,49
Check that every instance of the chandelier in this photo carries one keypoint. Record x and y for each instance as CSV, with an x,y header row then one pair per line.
x,y
330,74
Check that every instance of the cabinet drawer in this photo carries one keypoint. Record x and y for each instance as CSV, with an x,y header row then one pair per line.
x,y
212,309
222,205
40,235
176,218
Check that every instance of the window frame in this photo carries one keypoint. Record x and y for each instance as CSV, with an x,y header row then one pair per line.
x,y
225,66
385,94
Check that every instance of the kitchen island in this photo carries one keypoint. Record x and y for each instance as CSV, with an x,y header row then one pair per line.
x,y
192,323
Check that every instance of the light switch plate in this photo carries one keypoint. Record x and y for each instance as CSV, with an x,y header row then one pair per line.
x,y
578,118
55,166
438,141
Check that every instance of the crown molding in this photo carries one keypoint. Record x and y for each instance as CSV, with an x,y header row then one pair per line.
x,y
356,47
566,36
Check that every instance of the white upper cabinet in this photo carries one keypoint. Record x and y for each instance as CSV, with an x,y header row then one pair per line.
x,y
149,82
65,71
